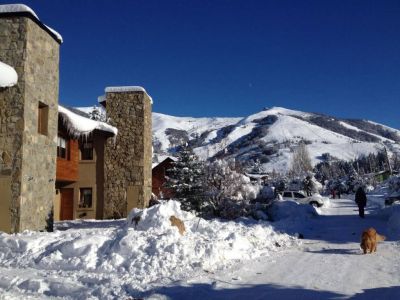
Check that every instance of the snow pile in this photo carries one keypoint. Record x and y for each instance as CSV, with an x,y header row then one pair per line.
x,y
80,126
156,217
8,76
16,8
291,210
392,215
113,257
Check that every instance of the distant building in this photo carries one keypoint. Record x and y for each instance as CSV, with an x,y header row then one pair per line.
x,y
159,179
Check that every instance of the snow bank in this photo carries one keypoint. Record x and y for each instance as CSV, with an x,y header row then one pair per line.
x,y
392,215
80,126
116,256
123,89
15,8
283,210
8,76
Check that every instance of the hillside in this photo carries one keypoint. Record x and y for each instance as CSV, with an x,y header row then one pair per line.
x,y
271,136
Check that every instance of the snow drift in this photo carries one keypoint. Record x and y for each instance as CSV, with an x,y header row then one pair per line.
x,y
135,255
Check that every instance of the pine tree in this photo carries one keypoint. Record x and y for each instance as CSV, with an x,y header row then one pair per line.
x,y
97,114
185,179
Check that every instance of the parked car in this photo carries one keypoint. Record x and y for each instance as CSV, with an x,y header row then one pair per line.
x,y
298,196
392,199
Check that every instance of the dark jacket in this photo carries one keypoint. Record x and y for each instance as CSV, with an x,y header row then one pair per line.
x,y
361,198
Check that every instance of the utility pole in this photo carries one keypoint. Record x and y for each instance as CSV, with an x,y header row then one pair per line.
x,y
388,160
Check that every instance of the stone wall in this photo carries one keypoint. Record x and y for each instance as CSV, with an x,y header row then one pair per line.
x,y
29,157
128,158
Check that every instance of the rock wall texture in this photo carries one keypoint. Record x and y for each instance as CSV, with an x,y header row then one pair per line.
x,y
29,157
127,169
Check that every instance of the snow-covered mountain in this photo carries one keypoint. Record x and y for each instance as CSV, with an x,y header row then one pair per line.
x,y
271,136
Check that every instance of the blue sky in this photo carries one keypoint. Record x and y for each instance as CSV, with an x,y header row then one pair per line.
x,y
233,58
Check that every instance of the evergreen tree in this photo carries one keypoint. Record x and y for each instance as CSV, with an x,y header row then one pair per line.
x,y
97,114
185,179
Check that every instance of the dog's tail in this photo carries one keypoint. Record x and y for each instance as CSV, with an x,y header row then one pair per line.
x,y
380,237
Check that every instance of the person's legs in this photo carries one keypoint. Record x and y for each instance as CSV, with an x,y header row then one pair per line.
x,y
361,211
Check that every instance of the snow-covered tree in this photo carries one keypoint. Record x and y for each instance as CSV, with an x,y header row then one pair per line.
x,y
97,114
185,179
228,190
301,161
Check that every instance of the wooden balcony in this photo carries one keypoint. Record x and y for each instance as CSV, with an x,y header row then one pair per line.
x,y
67,168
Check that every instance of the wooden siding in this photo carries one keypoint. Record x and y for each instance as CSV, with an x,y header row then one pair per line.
x,y
158,179
67,169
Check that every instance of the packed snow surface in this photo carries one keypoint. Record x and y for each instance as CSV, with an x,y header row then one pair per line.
x,y
111,259
80,126
8,76
13,8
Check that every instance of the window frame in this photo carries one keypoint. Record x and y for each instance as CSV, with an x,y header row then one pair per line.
x,y
82,201
82,149
67,148
43,119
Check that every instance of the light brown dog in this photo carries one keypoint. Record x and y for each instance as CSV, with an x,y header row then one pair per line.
x,y
178,223
369,239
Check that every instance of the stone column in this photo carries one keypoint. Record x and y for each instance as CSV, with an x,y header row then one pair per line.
x,y
28,157
128,158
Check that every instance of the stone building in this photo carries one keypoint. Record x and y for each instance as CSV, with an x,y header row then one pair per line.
x,y
128,159
28,120
31,137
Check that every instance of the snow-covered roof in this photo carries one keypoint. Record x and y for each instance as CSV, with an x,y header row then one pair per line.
x,y
101,98
8,76
22,8
123,89
78,125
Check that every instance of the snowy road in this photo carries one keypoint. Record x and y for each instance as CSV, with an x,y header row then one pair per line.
x,y
328,265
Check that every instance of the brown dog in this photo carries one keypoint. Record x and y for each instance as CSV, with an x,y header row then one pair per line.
x,y
369,239
178,223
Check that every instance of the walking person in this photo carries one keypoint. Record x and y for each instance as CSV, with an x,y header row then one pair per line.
x,y
361,200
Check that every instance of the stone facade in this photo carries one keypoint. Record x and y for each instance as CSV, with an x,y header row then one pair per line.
x,y
128,158
28,158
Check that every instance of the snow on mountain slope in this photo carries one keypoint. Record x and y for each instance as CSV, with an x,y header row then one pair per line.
x,y
270,136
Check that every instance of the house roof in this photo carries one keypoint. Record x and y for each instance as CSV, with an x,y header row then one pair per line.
x,y
166,160
79,124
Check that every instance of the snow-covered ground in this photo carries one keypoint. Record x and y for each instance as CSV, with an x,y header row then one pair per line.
x,y
116,259
212,260
327,265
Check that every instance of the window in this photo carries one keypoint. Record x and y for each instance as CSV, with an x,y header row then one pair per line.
x,y
298,195
287,194
43,118
62,147
87,151
85,198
